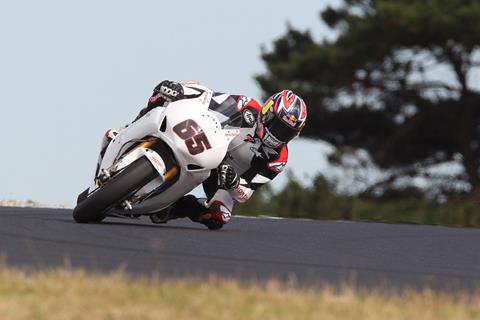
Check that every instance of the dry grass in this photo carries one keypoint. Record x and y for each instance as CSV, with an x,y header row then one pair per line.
x,y
65,294
28,204
17,203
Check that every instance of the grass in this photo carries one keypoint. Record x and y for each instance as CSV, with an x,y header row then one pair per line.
x,y
65,294
17,203
28,204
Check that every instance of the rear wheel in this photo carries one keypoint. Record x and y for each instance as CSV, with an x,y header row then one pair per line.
x,y
120,187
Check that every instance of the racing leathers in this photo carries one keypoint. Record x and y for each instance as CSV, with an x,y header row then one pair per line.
x,y
247,165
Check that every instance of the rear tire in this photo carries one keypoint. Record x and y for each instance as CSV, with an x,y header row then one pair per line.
x,y
120,187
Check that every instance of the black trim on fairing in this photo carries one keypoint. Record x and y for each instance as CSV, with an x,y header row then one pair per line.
x,y
194,167
163,126
190,96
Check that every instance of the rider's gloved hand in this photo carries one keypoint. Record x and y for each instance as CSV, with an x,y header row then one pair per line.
x,y
227,177
169,90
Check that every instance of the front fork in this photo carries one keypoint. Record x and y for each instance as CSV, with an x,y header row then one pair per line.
x,y
152,149
107,138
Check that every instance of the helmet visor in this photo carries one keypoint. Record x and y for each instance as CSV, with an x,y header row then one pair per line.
x,y
282,131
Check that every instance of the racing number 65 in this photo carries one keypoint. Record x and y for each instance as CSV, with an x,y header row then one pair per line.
x,y
195,139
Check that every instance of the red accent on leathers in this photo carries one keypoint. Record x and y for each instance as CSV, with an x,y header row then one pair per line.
x,y
279,164
154,98
252,103
216,213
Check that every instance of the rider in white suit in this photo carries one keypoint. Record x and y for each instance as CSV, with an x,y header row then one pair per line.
x,y
254,157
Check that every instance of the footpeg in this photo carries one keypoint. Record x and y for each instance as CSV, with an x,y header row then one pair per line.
x,y
161,216
126,205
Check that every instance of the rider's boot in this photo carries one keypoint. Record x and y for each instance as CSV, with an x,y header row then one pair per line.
x,y
187,206
163,216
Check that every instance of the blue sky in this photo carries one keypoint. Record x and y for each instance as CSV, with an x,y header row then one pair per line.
x,y
69,70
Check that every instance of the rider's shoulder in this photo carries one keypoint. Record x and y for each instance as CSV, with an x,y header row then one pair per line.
x,y
244,102
249,108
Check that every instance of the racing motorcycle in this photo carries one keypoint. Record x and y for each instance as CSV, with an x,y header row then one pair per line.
x,y
156,160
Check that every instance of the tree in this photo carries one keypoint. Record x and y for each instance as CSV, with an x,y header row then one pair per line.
x,y
398,81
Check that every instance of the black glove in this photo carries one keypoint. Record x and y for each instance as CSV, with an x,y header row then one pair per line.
x,y
227,177
169,90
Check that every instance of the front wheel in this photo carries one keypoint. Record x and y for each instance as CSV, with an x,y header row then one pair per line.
x,y
120,187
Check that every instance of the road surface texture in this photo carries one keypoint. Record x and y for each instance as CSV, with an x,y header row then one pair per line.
x,y
304,252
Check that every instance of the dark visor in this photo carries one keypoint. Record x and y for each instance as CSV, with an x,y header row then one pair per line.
x,y
281,130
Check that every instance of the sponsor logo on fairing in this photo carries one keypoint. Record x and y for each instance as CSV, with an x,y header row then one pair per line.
x,y
231,133
248,117
157,162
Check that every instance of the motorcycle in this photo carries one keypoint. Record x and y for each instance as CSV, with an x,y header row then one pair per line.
x,y
156,160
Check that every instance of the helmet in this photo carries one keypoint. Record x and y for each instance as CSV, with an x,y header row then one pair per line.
x,y
281,119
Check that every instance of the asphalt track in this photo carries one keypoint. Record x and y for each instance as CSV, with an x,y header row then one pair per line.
x,y
305,252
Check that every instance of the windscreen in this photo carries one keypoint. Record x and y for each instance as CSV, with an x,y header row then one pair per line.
x,y
225,107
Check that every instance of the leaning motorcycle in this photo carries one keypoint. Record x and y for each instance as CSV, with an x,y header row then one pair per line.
x,y
155,161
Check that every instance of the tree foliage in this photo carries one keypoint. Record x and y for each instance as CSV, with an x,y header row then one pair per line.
x,y
400,80
319,201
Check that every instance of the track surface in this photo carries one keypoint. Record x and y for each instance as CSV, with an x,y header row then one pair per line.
x,y
309,252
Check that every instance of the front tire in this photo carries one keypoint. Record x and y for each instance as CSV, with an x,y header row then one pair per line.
x,y
120,187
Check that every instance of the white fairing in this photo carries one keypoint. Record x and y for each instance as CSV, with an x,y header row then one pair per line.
x,y
195,156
